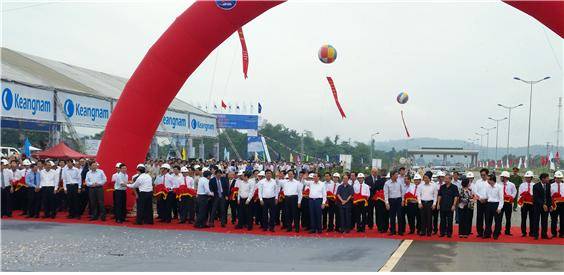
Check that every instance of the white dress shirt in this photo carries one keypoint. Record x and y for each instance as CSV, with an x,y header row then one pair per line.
x,y
524,186
245,190
176,181
479,188
495,194
204,187
555,187
189,182
427,192
363,189
393,190
268,189
95,178
119,179
317,190
509,189
8,177
165,179
71,176
49,178
292,188
144,182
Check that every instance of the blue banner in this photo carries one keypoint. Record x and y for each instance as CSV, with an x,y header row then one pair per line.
x,y
231,121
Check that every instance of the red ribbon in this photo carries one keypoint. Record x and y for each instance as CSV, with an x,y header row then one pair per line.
x,y
332,84
245,52
404,125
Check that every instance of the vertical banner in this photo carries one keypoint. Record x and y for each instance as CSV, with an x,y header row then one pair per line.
x,y
245,52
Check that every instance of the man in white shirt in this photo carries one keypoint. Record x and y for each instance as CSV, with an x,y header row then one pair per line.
x,y
120,180
330,212
509,193
48,185
361,190
479,189
427,199
292,198
204,197
186,200
7,190
144,184
557,214
95,179
494,196
71,186
317,200
268,196
244,196
526,202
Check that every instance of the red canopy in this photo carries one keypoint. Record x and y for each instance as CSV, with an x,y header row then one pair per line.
x,y
61,151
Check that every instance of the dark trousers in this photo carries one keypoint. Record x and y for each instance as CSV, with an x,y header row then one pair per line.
x,y
315,214
62,200
218,208
244,215
33,202
84,198
413,217
382,216
304,213
120,205
268,219
6,201
345,216
426,217
96,195
526,211
465,221
435,221
144,208
370,213
202,217
186,209
233,208
161,207
20,198
359,216
278,212
446,222
72,200
170,210
555,216
49,201
292,218
492,216
329,214
539,215
480,216
506,211
257,211
395,211
402,221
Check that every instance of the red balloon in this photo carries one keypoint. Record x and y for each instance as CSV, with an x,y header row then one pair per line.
x,y
162,72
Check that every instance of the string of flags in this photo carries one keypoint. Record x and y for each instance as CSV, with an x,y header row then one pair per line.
x,y
223,106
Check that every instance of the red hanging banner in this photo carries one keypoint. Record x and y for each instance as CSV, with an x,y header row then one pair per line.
x,y
404,125
245,52
332,84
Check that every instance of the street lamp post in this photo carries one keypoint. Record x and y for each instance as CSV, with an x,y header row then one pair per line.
x,y
487,141
509,109
530,109
496,132
372,145
481,140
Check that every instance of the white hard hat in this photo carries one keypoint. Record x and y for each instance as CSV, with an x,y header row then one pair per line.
x,y
310,175
286,176
140,165
261,173
529,174
240,173
441,174
470,175
118,164
165,166
49,162
417,177
196,166
5,162
337,175
360,175
388,175
26,162
205,169
183,169
504,174
558,174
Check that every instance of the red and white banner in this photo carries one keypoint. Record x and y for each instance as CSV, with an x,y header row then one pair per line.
x,y
245,52
335,96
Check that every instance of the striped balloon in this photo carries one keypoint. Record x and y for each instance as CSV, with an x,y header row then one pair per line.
x,y
327,54
402,98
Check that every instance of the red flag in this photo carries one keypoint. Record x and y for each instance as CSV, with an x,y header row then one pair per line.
x,y
404,125
223,105
245,52
332,84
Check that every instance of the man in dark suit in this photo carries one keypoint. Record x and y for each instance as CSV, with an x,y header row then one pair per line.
x,y
219,185
542,204
371,181
382,214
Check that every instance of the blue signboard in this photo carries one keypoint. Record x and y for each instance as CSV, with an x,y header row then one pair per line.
x,y
230,121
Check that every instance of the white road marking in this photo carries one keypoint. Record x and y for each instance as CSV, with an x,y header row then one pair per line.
x,y
394,259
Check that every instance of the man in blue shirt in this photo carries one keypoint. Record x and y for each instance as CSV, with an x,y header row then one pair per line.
x,y
32,180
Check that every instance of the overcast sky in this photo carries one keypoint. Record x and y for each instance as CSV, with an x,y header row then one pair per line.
x,y
456,61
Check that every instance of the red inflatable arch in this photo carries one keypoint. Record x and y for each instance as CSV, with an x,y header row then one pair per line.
x,y
175,56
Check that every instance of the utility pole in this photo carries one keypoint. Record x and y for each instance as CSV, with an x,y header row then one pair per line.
x,y
496,132
488,140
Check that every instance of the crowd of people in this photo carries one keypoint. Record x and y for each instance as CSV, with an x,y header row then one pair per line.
x,y
307,197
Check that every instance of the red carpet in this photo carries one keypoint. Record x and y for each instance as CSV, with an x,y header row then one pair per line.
x,y
230,229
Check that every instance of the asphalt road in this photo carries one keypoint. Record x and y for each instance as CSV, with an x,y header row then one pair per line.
x,y
44,246
431,257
